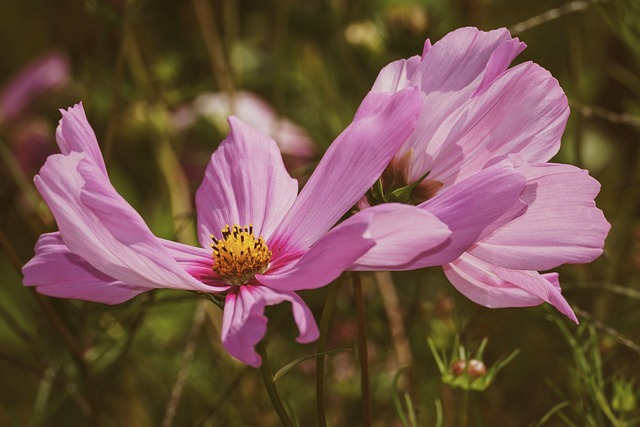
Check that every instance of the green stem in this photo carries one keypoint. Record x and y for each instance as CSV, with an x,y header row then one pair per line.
x,y
321,348
362,351
267,377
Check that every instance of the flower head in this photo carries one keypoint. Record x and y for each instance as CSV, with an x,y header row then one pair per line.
x,y
260,240
478,161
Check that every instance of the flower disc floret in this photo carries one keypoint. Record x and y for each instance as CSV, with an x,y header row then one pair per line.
x,y
239,255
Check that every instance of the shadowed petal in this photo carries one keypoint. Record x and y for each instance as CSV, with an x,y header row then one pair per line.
x,y
561,225
401,233
244,323
495,287
245,183
472,209
353,162
56,271
334,253
95,221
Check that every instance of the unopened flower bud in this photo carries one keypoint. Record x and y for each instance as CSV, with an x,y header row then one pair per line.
x,y
476,368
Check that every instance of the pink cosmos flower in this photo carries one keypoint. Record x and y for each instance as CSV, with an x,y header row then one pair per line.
x,y
43,74
261,241
481,118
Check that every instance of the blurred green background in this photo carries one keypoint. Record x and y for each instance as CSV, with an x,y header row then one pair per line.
x,y
139,65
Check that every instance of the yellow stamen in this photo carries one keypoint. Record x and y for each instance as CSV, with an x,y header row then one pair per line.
x,y
239,255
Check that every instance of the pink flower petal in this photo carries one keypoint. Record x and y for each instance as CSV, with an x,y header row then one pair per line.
x,y
401,233
56,271
96,222
495,287
523,111
561,225
449,74
335,252
245,183
472,209
198,262
350,166
244,323
396,75
74,134
458,61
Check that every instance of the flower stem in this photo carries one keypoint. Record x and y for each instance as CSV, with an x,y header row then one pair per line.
x,y
362,351
267,377
321,348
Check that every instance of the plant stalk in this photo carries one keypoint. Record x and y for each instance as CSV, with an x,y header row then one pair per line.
x,y
270,384
321,348
362,351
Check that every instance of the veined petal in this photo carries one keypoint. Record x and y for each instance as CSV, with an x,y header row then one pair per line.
x,y
459,60
74,134
561,225
353,162
198,262
472,209
245,183
449,74
56,271
334,253
523,111
95,221
396,75
401,233
244,323
495,287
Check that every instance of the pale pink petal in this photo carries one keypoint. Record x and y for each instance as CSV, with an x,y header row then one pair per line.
x,y
523,111
74,134
244,323
472,209
335,252
449,74
245,183
56,271
495,287
96,222
458,61
401,233
42,75
561,225
396,75
353,162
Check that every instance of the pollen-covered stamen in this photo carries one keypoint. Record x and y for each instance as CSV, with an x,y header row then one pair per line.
x,y
239,255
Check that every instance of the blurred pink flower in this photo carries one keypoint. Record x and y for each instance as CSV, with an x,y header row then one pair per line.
x,y
292,139
267,240
41,75
481,120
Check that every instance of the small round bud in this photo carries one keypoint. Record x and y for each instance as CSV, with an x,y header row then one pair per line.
x,y
476,368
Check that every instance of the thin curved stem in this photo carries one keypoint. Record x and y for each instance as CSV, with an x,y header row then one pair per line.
x,y
267,377
321,348
363,353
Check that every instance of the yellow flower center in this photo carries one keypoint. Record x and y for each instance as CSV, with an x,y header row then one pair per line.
x,y
239,255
